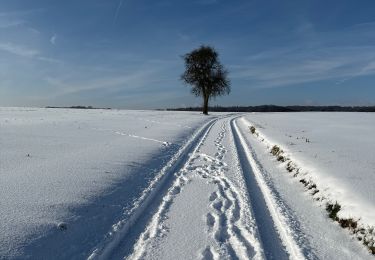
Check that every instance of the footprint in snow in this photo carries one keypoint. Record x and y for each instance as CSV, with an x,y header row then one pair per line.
x,y
213,196
210,220
207,254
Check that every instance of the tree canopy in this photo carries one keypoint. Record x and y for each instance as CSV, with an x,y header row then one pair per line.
x,y
206,75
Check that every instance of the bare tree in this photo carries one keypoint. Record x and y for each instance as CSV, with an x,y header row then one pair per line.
x,y
206,74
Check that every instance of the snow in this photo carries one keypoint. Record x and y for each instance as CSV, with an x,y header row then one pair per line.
x,y
231,201
113,184
83,168
308,226
219,222
339,154
269,201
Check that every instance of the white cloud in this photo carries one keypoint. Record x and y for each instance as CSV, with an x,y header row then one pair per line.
x,y
117,11
50,60
16,18
53,39
33,30
10,23
298,67
26,52
183,36
136,80
18,50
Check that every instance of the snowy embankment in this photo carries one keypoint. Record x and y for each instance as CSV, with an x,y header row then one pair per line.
x,y
66,176
332,155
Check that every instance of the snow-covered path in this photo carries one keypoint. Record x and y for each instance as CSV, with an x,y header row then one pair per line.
x,y
221,202
210,197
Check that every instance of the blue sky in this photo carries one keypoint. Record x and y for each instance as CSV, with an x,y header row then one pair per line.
x,y
127,54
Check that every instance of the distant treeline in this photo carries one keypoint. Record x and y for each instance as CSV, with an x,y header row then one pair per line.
x,y
273,108
80,107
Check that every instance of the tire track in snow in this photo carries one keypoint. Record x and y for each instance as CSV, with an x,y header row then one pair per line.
x,y
238,231
152,195
225,221
156,227
276,236
225,224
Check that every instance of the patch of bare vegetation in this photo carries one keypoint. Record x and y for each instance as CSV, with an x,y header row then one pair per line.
x,y
252,129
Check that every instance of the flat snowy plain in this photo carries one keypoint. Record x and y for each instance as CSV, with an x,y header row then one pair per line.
x,y
113,184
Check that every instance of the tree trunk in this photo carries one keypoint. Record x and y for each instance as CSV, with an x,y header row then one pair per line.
x,y
205,105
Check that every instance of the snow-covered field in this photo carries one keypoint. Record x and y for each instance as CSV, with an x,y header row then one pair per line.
x,y
84,168
111,184
335,149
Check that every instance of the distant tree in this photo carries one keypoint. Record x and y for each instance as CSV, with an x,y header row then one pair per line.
x,y
206,74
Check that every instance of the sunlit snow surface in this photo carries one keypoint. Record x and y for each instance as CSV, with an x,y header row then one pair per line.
x,y
83,168
70,178
339,153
